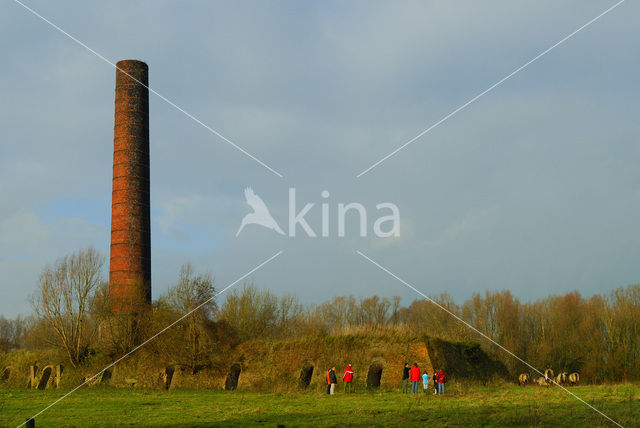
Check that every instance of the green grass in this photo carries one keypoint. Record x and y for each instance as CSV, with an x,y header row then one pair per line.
x,y
470,406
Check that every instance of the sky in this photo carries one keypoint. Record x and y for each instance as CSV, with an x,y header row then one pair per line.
x,y
534,187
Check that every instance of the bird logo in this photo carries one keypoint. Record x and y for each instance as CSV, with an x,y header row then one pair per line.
x,y
260,214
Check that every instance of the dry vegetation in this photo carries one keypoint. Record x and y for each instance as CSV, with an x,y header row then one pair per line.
x,y
598,336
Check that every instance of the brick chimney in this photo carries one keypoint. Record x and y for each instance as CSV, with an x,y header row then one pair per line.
x,y
130,261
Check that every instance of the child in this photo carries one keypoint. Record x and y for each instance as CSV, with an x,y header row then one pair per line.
x,y
435,382
425,381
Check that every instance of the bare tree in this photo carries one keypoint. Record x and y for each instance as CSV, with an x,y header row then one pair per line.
x,y
290,316
12,333
395,310
118,332
63,296
251,312
194,291
374,311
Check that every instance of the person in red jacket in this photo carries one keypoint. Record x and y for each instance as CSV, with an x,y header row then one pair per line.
x,y
347,377
414,377
329,381
442,379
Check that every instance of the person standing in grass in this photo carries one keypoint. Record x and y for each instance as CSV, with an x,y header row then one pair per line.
x,y
333,381
329,381
425,381
435,382
442,379
414,376
347,377
405,377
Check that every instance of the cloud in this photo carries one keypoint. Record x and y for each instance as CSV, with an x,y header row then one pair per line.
x,y
532,188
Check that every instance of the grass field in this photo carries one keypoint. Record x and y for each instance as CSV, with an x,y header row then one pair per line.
x,y
472,406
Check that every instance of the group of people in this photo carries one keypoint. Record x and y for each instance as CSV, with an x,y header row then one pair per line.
x,y
409,374
412,374
332,379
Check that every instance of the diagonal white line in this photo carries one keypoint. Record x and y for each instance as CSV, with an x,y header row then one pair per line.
x,y
171,103
481,333
154,336
517,70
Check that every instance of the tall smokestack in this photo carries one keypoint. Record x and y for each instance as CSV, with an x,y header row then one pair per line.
x,y
130,263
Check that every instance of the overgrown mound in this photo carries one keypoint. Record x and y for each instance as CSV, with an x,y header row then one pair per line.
x,y
464,360
276,365
377,361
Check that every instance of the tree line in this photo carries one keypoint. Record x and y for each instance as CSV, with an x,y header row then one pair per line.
x,y
598,336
